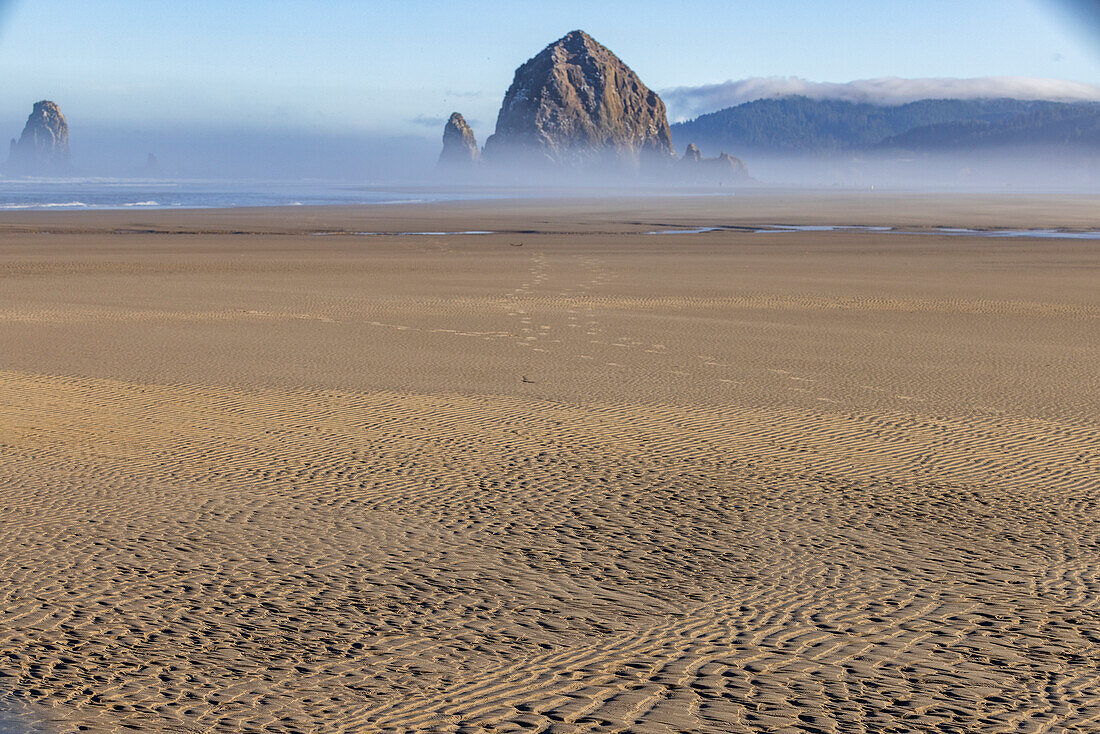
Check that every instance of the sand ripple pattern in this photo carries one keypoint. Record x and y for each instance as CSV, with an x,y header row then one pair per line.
x,y
204,559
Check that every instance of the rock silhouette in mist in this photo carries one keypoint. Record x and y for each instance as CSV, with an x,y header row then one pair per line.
x,y
459,144
694,168
577,104
43,148
726,167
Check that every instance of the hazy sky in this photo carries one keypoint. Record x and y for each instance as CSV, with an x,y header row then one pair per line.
x,y
400,67
353,90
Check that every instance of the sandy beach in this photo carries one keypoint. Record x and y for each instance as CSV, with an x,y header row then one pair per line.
x,y
261,473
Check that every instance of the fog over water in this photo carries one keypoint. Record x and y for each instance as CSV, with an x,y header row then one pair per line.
x,y
246,167
1020,173
995,170
268,154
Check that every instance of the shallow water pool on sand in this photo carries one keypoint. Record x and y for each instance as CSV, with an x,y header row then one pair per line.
x,y
949,231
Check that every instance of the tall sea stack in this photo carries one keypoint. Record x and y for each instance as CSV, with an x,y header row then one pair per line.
x,y
576,104
459,144
43,148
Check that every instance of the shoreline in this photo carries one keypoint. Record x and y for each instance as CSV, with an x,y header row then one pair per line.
x,y
971,211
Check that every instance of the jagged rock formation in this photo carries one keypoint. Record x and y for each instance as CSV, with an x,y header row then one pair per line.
x,y
726,168
459,143
43,148
577,104
694,168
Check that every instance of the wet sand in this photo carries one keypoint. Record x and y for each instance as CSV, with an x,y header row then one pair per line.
x,y
567,477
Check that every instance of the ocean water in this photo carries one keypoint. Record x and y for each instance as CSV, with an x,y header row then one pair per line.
x,y
77,194
81,194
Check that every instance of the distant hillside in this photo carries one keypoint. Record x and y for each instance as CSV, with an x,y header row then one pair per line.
x,y
800,125
1069,126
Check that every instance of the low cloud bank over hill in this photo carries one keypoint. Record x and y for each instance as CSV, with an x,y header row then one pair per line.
x,y
688,102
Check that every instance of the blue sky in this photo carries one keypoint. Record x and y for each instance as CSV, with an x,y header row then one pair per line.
x,y
396,67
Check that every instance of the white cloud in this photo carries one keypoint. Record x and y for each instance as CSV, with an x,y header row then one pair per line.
x,y
428,121
688,102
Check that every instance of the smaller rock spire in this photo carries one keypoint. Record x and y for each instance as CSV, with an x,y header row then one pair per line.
x,y
43,148
459,143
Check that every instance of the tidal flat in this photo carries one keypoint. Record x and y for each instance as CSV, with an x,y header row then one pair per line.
x,y
564,476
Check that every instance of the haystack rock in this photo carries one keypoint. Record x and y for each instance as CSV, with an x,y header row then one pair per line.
x,y
459,143
43,148
578,104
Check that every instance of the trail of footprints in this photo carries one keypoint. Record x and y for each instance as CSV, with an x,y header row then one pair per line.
x,y
187,558
584,336
554,313
583,326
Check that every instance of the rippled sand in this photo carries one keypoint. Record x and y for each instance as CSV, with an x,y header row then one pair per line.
x,y
568,477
